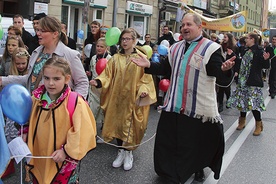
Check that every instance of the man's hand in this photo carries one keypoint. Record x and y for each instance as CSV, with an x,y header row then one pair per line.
x,y
228,64
141,61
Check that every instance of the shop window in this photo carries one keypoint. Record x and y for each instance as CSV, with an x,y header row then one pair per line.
x,y
64,14
139,25
98,15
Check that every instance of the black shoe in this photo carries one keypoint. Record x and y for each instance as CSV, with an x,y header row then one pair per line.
x,y
272,96
199,176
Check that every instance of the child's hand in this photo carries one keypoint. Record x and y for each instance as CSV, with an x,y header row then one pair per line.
x,y
59,155
24,137
88,73
93,83
144,94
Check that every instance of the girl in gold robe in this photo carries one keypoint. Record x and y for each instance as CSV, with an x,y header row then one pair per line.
x,y
51,131
127,93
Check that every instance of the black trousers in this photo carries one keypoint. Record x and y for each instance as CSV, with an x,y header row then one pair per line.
x,y
221,92
272,81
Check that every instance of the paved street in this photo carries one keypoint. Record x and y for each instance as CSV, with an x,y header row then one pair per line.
x,y
248,159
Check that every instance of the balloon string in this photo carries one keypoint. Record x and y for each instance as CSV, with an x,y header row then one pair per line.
x,y
228,84
126,146
21,165
26,156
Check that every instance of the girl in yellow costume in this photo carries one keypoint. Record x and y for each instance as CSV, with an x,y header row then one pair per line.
x,y
127,93
51,133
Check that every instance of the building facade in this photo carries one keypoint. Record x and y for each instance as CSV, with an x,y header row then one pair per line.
x,y
146,16
141,15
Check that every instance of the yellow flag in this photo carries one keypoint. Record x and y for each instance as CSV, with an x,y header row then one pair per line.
x,y
236,22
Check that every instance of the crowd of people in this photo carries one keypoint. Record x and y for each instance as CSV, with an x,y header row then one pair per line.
x,y
198,65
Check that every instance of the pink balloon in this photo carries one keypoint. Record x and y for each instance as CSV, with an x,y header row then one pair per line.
x,y
100,65
164,85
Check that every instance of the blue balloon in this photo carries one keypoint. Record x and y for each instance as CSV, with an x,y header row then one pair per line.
x,y
16,103
80,34
155,57
162,50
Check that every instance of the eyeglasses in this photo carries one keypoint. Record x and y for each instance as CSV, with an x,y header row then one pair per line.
x,y
126,39
35,23
41,31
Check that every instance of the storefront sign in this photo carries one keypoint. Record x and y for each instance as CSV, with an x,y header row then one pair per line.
x,y
138,8
93,3
40,8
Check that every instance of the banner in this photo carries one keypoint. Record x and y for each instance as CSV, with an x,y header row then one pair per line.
x,y
236,22
266,33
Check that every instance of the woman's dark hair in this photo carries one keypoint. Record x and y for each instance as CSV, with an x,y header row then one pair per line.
x,y
257,38
231,44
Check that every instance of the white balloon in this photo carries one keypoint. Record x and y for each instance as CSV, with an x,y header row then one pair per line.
x,y
165,43
176,36
87,50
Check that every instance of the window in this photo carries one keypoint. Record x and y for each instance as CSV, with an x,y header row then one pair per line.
x,y
98,15
64,14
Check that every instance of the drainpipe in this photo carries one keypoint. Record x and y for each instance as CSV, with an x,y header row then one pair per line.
x,y
114,17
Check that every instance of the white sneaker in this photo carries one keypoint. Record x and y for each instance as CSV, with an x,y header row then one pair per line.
x,y
119,159
128,162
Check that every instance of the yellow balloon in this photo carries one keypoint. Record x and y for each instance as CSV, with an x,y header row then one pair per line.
x,y
148,50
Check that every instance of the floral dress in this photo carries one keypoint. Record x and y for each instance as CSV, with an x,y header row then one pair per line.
x,y
246,98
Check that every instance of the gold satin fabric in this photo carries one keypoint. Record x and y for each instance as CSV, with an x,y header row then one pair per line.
x,y
126,114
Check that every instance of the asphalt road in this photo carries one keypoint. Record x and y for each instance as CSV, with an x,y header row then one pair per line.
x,y
248,159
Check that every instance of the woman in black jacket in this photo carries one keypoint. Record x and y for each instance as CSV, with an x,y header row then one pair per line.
x,y
248,95
229,49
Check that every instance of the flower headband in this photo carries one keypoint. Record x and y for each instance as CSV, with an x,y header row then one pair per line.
x,y
22,53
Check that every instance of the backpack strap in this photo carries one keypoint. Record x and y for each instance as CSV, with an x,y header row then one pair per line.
x,y
72,102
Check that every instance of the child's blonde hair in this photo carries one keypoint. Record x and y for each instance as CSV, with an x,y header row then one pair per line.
x,y
102,40
59,63
21,53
